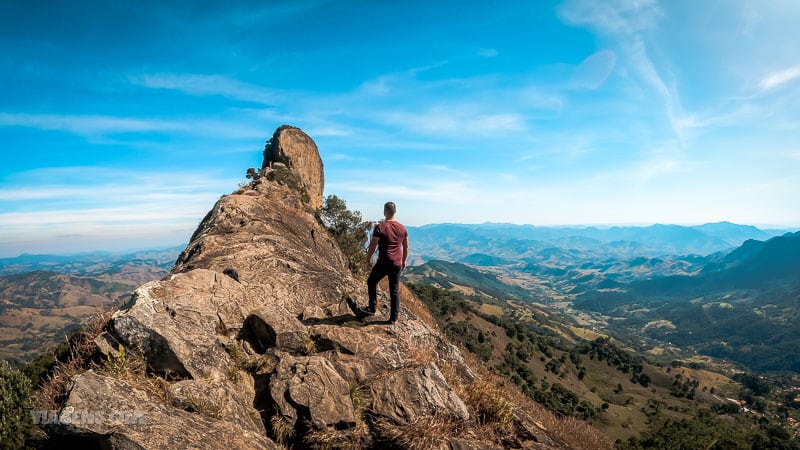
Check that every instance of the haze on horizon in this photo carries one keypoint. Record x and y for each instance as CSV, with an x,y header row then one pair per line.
x,y
122,124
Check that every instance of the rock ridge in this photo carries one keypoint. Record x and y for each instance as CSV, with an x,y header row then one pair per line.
x,y
252,340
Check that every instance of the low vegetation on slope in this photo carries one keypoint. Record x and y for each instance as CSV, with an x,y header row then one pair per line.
x,y
640,404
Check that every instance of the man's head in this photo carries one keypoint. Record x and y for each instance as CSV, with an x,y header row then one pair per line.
x,y
389,210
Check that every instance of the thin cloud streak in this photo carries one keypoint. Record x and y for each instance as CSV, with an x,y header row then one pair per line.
x,y
780,78
197,84
98,125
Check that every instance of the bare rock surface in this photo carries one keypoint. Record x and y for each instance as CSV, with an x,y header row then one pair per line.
x,y
178,323
218,400
114,414
407,394
272,326
310,388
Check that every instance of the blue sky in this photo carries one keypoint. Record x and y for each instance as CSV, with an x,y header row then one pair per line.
x,y
122,123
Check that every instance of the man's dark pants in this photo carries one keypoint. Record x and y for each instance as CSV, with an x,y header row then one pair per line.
x,y
378,272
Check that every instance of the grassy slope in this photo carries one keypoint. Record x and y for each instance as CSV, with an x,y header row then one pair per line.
x,y
632,411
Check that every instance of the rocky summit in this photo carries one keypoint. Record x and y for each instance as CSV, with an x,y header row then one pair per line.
x,y
251,344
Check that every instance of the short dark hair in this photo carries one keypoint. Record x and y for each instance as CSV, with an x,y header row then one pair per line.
x,y
390,208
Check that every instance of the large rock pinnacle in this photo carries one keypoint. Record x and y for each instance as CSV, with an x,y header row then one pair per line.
x,y
291,146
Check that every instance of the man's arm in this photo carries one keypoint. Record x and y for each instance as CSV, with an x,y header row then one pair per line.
x,y
371,250
405,251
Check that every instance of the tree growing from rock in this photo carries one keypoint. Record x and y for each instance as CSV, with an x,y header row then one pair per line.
x,y
349,231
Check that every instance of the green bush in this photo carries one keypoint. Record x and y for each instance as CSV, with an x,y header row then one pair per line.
x,y
15,404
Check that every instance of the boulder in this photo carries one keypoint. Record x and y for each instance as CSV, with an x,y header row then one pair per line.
x,y
103,412
310,388
218,400
272,326
281,253
406,394
356,354
180,324
292,147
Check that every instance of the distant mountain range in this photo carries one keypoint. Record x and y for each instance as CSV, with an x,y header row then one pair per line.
x,y
651,287
742,306
459,242
92,264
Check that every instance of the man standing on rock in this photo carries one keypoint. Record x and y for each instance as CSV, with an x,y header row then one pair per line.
x,y
391,239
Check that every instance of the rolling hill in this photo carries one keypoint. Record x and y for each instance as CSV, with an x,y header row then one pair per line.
x,y
44,297
741,307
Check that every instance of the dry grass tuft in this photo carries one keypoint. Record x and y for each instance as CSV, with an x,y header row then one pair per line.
x,y
281,429
54,390
260,364
410,301
131,366
309,346
213,407
426,432
360,398
127,366
489,406
417,355
330,439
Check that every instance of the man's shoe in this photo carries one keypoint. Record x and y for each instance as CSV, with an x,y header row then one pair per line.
x,y
368,311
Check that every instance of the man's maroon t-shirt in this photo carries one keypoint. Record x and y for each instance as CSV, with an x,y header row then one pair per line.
x,y
390,244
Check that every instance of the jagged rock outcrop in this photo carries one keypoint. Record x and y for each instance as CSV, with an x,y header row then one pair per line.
x,y
295,149
253,340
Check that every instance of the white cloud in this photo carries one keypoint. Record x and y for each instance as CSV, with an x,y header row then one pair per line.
x,y
456,122
39,193
613,16
328,131
593,71
100,125
779,78
196,84
85,124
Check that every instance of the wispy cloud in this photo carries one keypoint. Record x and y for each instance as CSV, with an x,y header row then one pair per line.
x,y
455,122
198,84
101,125
110,187
779,78
594,70
614,16
630,23
159,208
86,124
